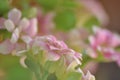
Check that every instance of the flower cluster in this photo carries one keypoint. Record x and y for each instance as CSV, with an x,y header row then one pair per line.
x,y
25,42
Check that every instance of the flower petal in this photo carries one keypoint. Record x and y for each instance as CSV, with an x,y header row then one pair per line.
x,y
14,15
15,36
52,57
32,28
6,47
24,23
2,20
9,25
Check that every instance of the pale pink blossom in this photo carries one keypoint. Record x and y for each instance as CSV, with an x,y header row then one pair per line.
x,y
19,26
2,23
56,49
32,29
105,42
104,37
45,22
7,47
15,15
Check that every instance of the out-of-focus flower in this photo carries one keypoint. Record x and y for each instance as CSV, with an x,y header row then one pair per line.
x,y
112,55
105,42
19,26
76,38
45,22
7,47
97,9
2,23
88,76
32,29
15,15
104,37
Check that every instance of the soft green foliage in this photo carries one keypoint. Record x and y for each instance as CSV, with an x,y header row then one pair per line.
x,y
32,65
70,4
4,6
4,34
29,12
65,20
91,22
13,69
48,4
73,76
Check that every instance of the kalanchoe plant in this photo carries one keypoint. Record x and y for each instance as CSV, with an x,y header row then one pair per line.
x,y
45,56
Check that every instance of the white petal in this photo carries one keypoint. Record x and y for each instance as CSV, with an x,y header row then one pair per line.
x,y
9,25
52,56
89,76
32,28
22,61
24,23
15,36
26,39
95,29
6,47
14,15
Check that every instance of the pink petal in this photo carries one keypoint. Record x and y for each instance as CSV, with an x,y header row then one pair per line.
x,y
24,24
15,36
88,76
2,23
14,15
9,25
32,28
20,46
6,47
93,42
115,41
52,56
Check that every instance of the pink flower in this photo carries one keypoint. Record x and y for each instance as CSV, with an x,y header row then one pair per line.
x,y
2,23
31,30
105,38
19,26
45,22
105,42
6,47
56,49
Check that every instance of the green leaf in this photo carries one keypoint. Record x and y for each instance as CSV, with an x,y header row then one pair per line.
x,y
16,72
48,4
65,20
30,12
85,58
69,4
91,22
33,66
51,66
73,76
5,34
12,68
61,69
52,77
4,6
